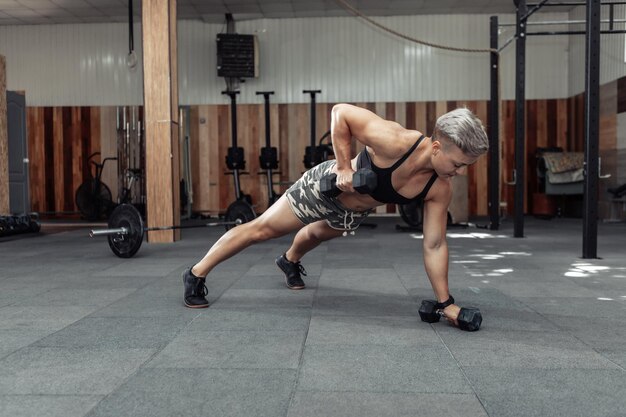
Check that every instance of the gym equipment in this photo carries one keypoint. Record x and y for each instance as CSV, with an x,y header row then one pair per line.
x,y
618,192
236,162
313,154
325,149
364,181
93,197
126,228
413,215
469,318
17,224
269,154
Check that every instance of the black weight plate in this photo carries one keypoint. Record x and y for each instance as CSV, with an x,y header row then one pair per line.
x,y
125,246
412,213
239,210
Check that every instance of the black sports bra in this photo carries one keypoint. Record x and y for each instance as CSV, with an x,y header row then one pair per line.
x,y
384,191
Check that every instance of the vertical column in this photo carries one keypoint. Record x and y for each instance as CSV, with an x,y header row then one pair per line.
x,y
4,141
592,125
494,132
161,117
520,117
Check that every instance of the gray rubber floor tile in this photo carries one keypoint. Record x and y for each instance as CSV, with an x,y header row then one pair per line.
x,y
252,319
271,282
106,282
232,349
498,318
360,281
575,307
14,339
380,368
268,267
357,330
48,405
368,305
522,349
348,261
16,292
546,289
118,332
266,298
201,392
618,357
612,283
550,392
82,297
154,268
148,303
28,317
605,333
68,371
372,404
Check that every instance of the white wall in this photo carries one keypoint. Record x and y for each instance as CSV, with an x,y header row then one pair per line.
x,y
612,64
346,58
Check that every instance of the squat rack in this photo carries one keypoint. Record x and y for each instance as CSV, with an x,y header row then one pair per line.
x,y
591,113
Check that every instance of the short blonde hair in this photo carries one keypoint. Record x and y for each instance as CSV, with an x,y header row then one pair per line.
x,y
464,130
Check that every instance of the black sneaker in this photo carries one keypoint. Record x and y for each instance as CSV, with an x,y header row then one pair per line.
x,y
195,290
292,272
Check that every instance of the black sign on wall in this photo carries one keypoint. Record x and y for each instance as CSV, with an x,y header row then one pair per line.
x,y
237,56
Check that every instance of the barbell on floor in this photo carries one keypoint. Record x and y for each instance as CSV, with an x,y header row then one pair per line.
x,y
126,229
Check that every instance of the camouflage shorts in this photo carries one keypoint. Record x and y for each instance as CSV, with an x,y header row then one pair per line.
x,y
310,205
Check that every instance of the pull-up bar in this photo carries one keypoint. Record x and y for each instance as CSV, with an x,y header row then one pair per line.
x,y
574,32
592,82
574,3
562,22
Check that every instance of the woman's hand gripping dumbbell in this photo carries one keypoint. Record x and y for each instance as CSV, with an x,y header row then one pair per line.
x,y
469,318
363,181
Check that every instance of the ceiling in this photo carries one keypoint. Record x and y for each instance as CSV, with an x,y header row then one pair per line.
x,y
38,12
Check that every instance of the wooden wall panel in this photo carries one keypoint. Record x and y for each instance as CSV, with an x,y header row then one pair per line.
x,y
35,132
104,135
58,144
60,139
60,185
420,117
4,142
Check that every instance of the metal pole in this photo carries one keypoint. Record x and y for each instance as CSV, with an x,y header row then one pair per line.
x,y
314,160
592,125
494,129
266,98
520,131
233,127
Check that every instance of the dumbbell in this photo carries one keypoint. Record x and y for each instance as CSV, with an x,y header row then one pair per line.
x,y
469,318
363,181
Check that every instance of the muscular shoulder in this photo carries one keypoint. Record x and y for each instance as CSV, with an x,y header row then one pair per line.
x,y
394,142
440,192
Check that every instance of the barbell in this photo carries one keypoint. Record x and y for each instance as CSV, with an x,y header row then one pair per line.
x,y
126,228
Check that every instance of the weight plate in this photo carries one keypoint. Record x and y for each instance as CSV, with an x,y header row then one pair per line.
x,y
126,245
239,210
412,213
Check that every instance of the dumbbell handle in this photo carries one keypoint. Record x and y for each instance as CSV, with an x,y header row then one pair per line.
x,y
333,191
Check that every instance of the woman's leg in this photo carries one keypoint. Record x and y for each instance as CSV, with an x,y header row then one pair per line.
x,y
309,237
276,221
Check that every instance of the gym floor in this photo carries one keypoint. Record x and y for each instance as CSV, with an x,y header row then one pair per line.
x,y
85,333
